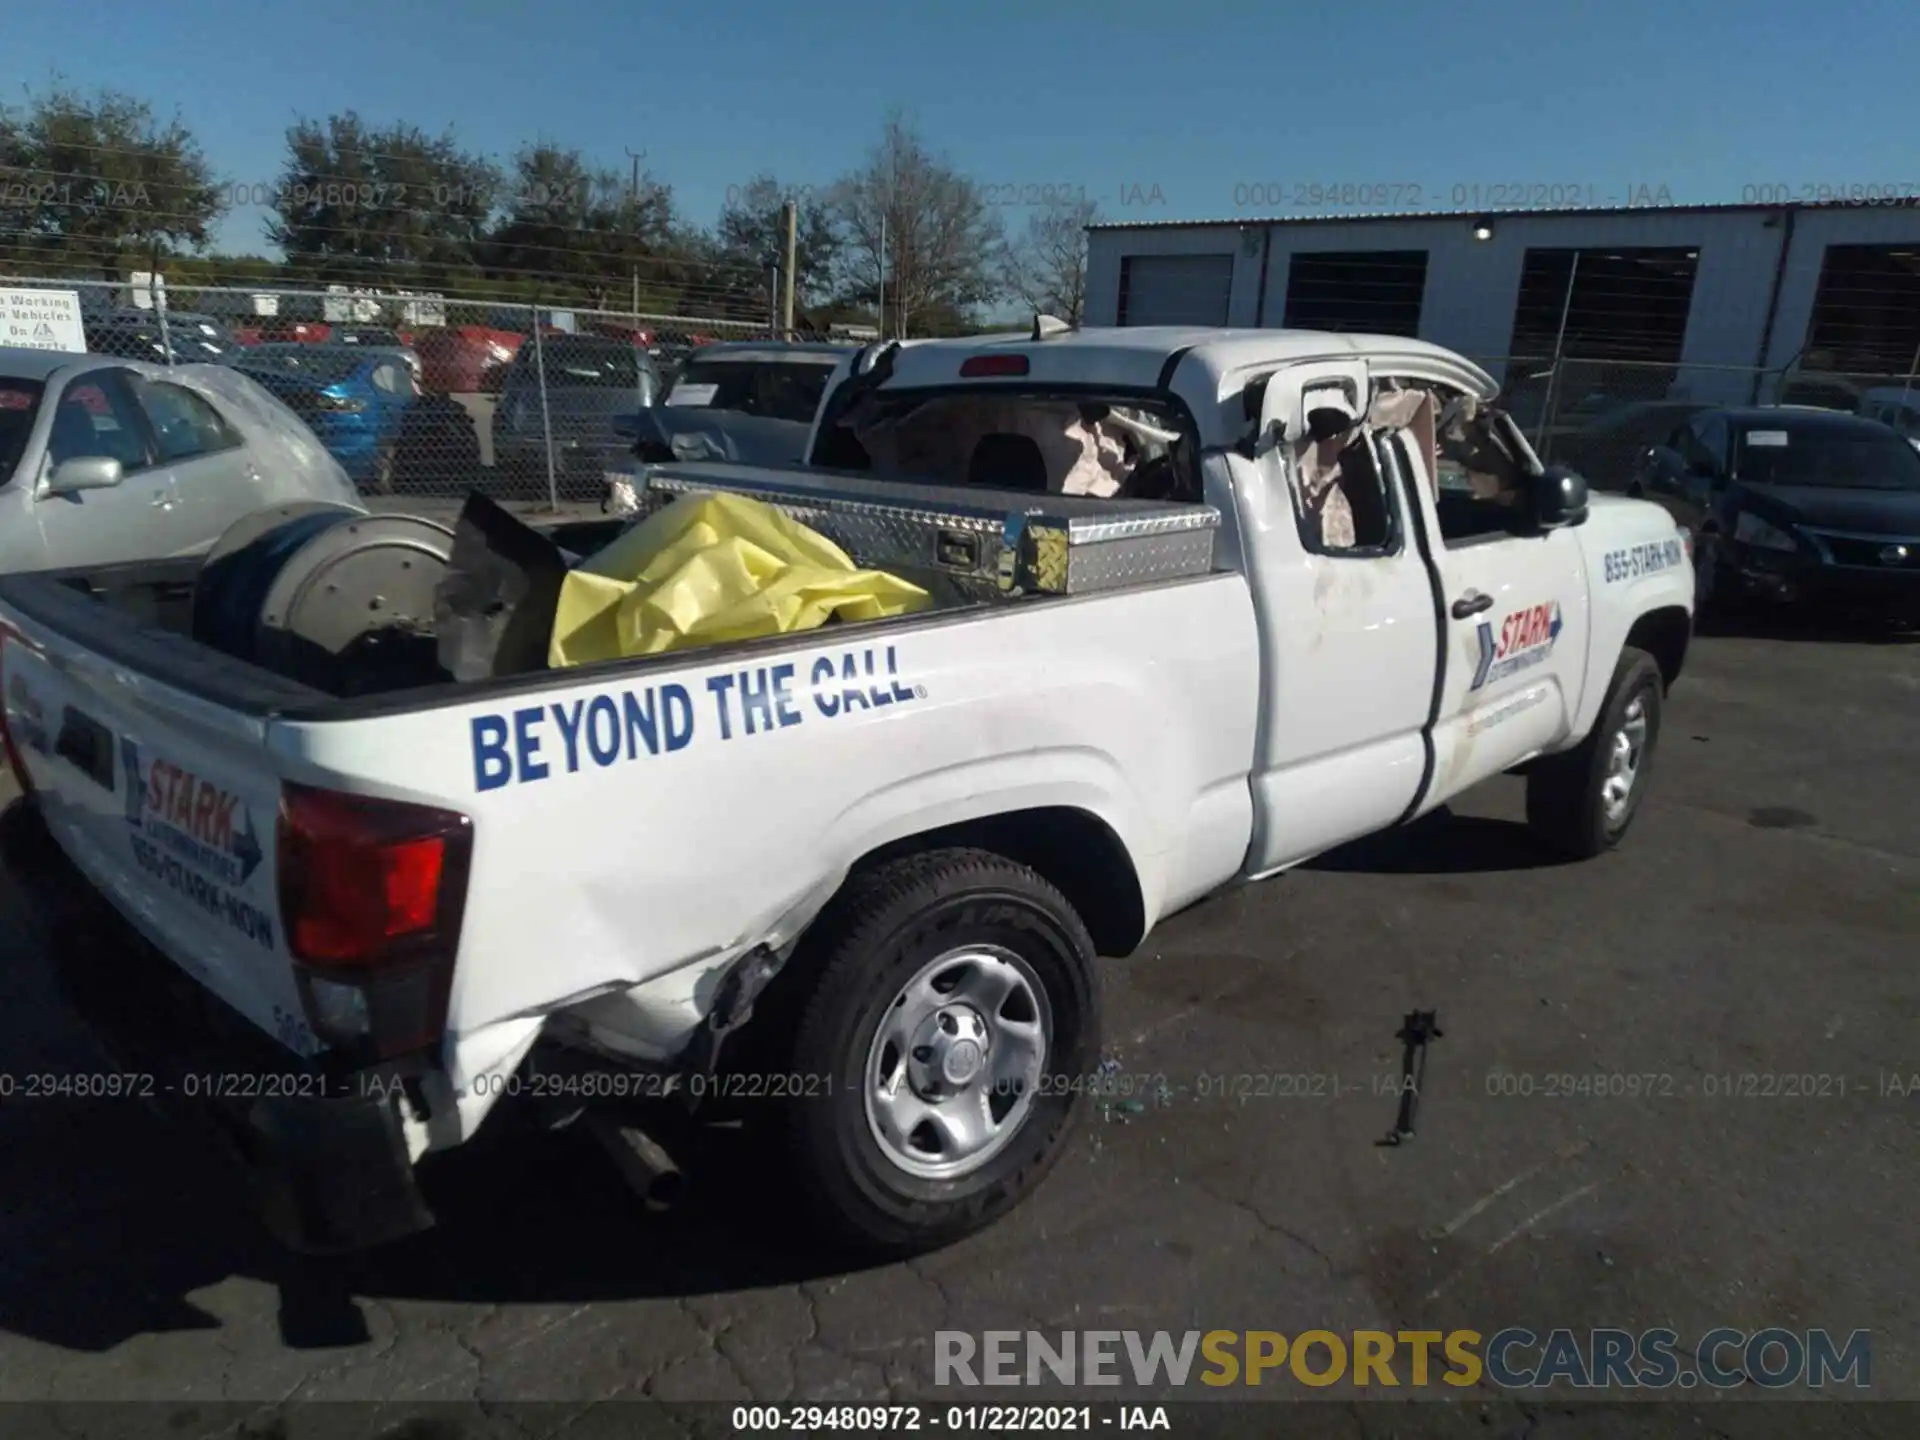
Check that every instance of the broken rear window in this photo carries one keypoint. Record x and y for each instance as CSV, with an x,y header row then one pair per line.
x,y
1001,439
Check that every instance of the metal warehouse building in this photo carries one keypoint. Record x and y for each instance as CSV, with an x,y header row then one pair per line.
x,y
1718,293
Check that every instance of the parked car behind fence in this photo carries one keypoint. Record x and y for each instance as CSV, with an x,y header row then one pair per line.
x,y
352,397
105,460
588,380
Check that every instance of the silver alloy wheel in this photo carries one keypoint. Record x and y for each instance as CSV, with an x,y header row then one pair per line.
x,y
1624,756
955,1061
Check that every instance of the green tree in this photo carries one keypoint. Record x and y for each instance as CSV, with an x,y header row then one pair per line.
x,y
1046,266
751,235
388,203
909,208
99,183
578,225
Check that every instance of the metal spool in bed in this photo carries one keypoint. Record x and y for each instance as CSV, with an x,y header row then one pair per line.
x,y
328,595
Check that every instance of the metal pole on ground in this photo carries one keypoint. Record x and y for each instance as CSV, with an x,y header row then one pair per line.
x,y
1553,371
157,297
1906,386
789,243
546,416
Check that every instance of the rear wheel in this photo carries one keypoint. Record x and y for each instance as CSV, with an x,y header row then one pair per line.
x,y
948,1001
1581,803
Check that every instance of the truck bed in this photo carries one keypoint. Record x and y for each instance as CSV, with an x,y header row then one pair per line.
x,y
140,616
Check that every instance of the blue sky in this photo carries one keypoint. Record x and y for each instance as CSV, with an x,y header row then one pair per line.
x,y
1161,111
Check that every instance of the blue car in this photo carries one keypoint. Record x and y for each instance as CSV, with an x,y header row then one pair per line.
x,y
354,398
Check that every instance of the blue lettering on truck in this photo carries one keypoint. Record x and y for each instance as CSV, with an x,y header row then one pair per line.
x,y
1650,559
216,900
533,742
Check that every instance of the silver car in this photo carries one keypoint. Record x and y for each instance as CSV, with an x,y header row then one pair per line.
x,y
104,459
749,401
589,379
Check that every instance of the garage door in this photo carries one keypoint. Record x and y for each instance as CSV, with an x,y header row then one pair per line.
x,y
1175,289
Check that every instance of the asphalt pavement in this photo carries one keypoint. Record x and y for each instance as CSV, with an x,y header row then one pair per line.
x,y
1762,920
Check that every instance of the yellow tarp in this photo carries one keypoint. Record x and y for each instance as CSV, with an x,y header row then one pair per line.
x,y
712,568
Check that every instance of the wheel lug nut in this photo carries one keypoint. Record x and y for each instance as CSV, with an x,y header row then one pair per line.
x,y
947,1022
923,1053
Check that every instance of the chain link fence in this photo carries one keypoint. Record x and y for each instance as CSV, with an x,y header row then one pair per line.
x,y
1600,415
435,395
419,394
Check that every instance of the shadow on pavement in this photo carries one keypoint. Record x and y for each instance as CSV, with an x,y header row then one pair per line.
x,y
1805,624
1441,843
117,1210
114,1217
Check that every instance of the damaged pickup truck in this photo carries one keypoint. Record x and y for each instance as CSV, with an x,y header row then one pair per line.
x,y
1204,604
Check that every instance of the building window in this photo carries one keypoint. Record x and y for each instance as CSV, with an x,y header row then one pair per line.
x,y
1174,289
1618,304
1375,292
1866,313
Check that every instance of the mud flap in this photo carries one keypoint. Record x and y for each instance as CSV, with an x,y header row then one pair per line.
x,y
333,1175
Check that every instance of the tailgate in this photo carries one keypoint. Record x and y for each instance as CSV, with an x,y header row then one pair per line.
x,y
168,803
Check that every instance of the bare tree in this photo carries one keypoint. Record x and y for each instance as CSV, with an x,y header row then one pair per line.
x,y
930,225
1046,266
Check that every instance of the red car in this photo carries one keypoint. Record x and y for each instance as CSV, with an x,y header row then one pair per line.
x,y
464,359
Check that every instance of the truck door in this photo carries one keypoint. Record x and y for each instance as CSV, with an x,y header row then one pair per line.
x,y
1346,610
1514,607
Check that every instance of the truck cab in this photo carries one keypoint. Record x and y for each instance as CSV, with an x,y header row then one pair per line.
x,y
1434,606
890,853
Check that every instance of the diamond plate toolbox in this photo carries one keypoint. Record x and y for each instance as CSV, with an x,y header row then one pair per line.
x,y
986,540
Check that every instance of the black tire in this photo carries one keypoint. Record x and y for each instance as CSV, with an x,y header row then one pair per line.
x,y
872,938
1565,807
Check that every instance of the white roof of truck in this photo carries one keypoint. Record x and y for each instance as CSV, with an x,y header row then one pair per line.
x,y
1135,356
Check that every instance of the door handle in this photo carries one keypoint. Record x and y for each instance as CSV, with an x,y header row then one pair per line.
x,y
1471,603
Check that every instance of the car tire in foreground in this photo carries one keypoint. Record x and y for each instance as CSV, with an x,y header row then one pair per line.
x,y
948,1020
1582,802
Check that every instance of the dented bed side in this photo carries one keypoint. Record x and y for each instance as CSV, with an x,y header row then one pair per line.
x,y
674,816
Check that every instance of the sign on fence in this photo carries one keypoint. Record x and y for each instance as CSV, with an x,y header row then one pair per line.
x,y
42,320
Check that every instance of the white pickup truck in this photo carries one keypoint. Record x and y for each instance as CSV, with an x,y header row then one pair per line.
x,y
898,845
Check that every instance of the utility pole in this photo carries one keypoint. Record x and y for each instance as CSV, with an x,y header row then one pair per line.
x,y
633,225
1542,447
790,246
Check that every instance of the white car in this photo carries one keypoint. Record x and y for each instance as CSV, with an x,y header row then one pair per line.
x,y
861,877
105,460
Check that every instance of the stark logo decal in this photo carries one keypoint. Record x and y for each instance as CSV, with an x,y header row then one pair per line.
x,y
1526,638
205,826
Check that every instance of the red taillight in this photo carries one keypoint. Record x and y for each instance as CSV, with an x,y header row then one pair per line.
x,y
371,896
983,365
364,881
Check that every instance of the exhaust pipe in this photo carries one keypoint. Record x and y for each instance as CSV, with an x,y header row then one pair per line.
x,y
646,1167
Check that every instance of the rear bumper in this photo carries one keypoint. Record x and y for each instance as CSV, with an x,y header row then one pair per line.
x,y
325,1152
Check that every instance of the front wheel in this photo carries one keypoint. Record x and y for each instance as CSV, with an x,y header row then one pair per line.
x,y
951,1009
1580,803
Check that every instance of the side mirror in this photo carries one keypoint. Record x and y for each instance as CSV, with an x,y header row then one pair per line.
x,y
84,472
1559,498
